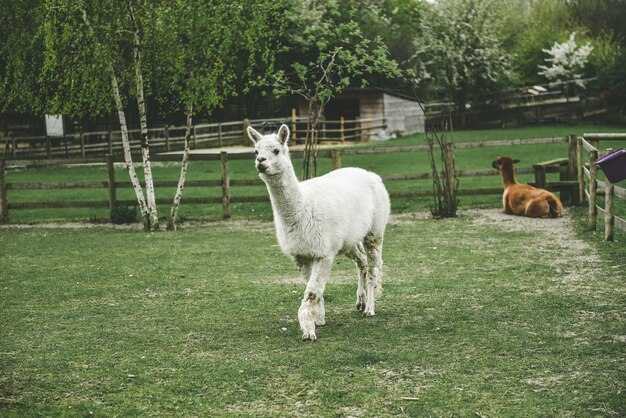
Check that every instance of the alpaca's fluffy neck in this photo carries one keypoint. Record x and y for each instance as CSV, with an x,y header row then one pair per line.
x,y
285,194
508,177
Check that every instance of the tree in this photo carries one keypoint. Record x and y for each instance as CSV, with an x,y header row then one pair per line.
x,y
566,61
186,54
325,52
148,210
215,48
460,52
396,22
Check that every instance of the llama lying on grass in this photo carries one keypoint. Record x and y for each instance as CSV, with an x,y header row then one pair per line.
x,y
342,212
522,199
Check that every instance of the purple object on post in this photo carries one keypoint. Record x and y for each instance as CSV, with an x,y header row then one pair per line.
x,y
613,165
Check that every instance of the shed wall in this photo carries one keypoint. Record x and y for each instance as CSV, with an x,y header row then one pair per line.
x,y
402,115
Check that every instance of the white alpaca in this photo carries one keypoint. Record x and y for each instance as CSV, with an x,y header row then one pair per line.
x,y
342,212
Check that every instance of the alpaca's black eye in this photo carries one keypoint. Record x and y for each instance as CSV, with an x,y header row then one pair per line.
x,y
256,152
276,151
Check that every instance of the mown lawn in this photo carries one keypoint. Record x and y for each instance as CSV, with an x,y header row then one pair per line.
x,y
384,164
482,315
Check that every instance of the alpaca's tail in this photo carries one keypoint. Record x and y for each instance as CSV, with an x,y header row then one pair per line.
x,y
556,207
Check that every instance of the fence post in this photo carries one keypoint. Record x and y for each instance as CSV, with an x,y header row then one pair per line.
x,y
14,148
246,140
609,218
48,147
540,176
166,132
336,159
111,183
4,200
293,125
572,192
581,170
342,131
593,189
225,185
82,144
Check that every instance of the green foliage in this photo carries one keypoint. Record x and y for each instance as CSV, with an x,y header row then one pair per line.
x,y
461,52
396,22
20,56
75,75
325,52
607,62
205,52
600,17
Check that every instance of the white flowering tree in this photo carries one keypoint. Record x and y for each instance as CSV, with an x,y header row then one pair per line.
x,y
566,62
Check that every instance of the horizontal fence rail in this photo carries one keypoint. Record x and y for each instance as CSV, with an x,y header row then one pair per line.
x,y
226,184
172,138
587,170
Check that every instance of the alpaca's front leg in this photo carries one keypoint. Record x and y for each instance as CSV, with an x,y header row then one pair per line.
x,y
311,312
305,265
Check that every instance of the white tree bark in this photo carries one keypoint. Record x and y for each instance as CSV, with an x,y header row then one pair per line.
x,y
171,222
143,121
127,154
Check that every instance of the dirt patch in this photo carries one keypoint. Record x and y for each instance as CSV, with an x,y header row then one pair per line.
x,y
574,260
558,231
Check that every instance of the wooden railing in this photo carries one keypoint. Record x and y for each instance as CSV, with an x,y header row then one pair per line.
x,y
226,184
171,138
590,144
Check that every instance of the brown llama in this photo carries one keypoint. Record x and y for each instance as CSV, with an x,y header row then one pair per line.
x,y
522,199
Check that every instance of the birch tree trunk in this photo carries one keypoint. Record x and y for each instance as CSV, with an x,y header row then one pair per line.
x,y
127,154
171,221
143,121
124,130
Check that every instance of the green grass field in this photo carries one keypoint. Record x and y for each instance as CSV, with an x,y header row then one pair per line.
x,y
482,315
384,164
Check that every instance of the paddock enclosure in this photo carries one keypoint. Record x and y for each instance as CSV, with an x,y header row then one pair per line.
x,y
107,320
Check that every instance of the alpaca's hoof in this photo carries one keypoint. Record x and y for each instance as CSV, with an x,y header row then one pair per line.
x,y
367,314
310,336
360,306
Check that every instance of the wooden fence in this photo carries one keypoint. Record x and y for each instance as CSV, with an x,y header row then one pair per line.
x,y
172,138
526,109
226,184
595,187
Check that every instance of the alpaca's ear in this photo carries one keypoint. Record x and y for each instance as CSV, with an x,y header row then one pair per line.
x,y
283,133
516,161
254,135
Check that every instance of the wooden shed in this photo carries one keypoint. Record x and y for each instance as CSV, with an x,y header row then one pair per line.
x,y
389,114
